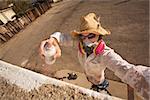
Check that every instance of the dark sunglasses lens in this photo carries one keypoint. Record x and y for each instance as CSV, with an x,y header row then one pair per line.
x,y
91,35
81,36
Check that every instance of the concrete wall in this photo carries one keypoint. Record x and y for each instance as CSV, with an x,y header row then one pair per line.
x,y
56,1
29,80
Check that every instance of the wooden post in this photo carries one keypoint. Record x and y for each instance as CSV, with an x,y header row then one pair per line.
x,y
14,23
49,3
9,24
37,11
20,24
25,20
9,29
130,93
4,30
2,38
41,8
30,15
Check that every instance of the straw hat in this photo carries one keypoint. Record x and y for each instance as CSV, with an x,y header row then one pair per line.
x,y
90,23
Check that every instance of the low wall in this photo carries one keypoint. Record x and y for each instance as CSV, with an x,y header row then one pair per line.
x,y
31,81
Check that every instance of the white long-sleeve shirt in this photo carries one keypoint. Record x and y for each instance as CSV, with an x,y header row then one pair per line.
x,y
94,66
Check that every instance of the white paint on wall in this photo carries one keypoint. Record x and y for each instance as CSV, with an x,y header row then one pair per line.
x,y
56,1
6,15
3,19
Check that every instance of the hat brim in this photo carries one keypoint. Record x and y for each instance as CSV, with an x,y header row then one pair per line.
x,y
99,31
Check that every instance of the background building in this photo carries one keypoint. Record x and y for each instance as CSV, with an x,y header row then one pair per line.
x,y
7,15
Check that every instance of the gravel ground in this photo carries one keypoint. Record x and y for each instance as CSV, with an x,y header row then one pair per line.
x,y
45,92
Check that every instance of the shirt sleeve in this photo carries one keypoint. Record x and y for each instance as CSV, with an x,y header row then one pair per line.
x,y
136,76
115,62
64,39
56,35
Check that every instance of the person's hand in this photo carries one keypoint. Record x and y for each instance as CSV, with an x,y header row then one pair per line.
x,y
50,42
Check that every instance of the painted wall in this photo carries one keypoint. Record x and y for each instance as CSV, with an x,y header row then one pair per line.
x,y
6,14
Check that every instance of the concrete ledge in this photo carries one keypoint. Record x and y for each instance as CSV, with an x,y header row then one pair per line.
x,y
56,1
29,80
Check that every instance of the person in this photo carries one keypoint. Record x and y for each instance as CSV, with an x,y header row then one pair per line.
x,y
95,56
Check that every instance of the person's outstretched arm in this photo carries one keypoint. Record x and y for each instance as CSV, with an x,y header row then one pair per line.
x,y
56,39
137,77
64,39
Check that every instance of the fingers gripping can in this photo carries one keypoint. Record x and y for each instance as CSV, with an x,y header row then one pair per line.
x,y
49,54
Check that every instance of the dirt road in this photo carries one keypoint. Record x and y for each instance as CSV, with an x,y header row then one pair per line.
x,y
128,22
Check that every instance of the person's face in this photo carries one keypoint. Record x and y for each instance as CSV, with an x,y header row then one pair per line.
x,y
89,37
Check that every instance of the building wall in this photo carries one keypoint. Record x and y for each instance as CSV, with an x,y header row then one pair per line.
x,y
5,15
2,18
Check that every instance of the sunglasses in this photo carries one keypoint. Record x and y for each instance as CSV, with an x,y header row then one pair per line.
x,y
90,36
